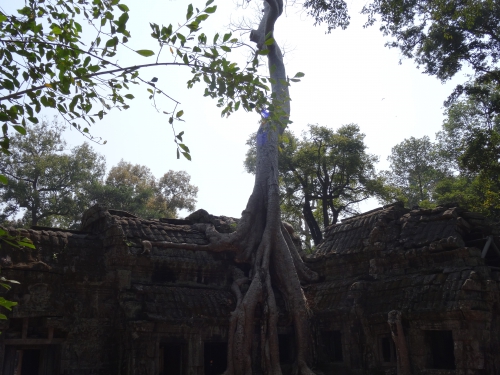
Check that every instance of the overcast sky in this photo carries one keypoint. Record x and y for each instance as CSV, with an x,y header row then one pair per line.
x,y
350,77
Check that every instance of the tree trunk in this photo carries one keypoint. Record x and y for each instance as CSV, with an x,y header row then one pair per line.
x,y
311,222
262,241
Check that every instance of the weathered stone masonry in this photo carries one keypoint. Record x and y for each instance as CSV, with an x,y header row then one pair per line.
x,y
413,292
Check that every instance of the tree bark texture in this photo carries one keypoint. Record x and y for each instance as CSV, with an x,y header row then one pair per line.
x,y
262,241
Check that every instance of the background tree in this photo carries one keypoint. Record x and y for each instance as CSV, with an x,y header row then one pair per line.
x,y
323,176
415,169
470,141
134,188
55,185
471,134
48,181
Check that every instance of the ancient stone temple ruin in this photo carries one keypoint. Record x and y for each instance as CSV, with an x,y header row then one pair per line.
x,y
407,292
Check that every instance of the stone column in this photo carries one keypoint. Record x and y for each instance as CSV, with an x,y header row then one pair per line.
x,y
195,355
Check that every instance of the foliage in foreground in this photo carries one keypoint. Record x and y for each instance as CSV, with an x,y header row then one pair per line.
x,y
61,54
16,241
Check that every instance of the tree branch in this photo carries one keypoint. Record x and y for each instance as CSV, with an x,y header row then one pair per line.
x,y
126,70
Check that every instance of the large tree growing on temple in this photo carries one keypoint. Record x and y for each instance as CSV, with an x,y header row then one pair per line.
x,y
262,241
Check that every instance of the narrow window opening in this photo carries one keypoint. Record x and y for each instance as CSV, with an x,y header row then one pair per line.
x,y
15,329
440,350
215,354
171,359
333,346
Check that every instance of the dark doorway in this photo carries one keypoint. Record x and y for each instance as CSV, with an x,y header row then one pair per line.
x,y
215,354
440,350
332,341
387,349
30,362
171,359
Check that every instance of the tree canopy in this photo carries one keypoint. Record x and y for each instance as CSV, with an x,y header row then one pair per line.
x,y
441,36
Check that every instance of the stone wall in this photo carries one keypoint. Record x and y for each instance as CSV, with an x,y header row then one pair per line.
x,y
121,297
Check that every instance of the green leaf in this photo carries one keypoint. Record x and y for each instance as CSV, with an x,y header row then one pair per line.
x,y
184,147
3,17
4,180
56,30
187,156
26,244
123,7
112,42
264,52
225,48
129,96
209,2
20,129
211,9
179,114
6,303
269,41
145,52
299,74
189,13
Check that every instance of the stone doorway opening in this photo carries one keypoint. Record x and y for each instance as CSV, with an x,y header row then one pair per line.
x,y
172,359
215,354
440,350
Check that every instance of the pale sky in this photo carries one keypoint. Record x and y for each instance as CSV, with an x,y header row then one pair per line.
x,y
350,77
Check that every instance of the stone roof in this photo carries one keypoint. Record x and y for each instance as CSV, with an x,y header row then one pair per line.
x,y
164,303
394,227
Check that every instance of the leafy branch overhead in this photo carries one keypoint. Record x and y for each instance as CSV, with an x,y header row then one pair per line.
x,y
44,63
442,37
